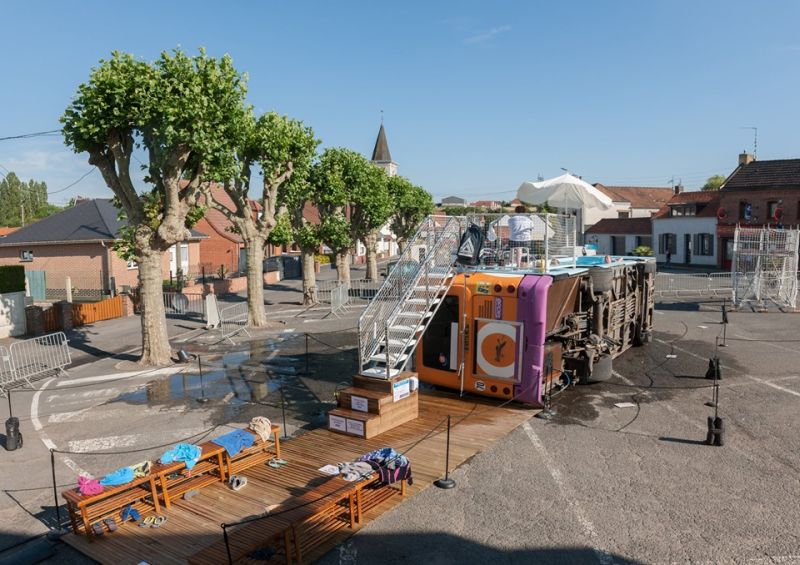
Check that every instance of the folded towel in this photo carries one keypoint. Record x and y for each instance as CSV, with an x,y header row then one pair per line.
x,y
89,486
235,441
121,476
141,469
184,452
262,426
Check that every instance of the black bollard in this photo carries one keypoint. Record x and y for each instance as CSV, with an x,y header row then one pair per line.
x,y
446,482
306,354
283,411
202,399
55,490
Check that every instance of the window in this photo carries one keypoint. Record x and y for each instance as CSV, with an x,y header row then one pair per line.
x,y
704,244
745,211
133,265
26,255
440,340
644,240
624,214
677,211
667,241
772,210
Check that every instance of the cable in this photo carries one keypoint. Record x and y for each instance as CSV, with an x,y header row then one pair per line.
x,y
49,192
29,135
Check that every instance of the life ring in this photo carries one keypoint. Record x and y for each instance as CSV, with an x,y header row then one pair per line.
x,y
721,213
778,215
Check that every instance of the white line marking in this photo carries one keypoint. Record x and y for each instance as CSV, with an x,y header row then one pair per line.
x,y
773,385
37,425
775,345
68,416
115,442
111,377
588,528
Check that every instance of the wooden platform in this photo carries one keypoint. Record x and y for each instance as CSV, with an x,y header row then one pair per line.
x,y
195,523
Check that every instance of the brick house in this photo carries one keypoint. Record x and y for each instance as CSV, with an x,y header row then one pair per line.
x,y
77,242
619,236
637,201
686,226
755,194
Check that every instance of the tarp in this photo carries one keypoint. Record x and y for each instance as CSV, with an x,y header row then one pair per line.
x,y
565,191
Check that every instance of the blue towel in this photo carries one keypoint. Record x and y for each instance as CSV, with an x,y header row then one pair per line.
x,y
119,477
185,452
235,441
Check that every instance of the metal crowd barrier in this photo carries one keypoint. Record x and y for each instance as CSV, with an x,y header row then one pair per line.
x,y
233,320
694,284
359,288
340,297
31,358
184,304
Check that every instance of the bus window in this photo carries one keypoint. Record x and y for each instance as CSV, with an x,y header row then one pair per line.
x,y
440,340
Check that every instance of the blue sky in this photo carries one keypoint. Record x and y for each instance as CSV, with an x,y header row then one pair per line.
x,y
478,96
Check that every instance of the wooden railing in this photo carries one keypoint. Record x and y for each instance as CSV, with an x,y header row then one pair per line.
x,y
90,312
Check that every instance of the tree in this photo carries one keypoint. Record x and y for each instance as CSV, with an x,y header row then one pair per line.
x,y
23,202
353,201
410,205
179,111
713,183
282,148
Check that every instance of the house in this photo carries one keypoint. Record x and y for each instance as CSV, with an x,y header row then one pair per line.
x,y
487,204
757,193
77,242
637,201
687,225
223,248
452,201
619,236
5,231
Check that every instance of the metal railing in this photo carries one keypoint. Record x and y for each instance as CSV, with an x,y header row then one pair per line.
x,y
181,304
693,284
409,291
340,298
34,357
233,320
359,288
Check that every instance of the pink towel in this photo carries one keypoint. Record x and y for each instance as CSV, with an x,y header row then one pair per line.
x,y
89,486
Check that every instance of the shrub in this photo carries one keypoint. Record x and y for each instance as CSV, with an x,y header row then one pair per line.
x,y
643,251
12,278
322,259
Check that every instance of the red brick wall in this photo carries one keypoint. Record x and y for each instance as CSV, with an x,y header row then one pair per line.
x,y
730,201
217,250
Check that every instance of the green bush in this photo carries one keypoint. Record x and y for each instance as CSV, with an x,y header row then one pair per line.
x,y
12,278
322,259
643,251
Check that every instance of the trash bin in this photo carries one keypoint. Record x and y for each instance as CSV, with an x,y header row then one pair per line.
x,y
13,437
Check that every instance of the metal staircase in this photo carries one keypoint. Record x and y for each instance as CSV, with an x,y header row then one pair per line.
x,y
393,322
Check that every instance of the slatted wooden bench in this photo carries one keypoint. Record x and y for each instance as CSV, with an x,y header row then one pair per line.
x,y
85,510
302,523
172,482
260,452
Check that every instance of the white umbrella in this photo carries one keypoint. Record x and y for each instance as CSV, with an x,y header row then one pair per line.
x,y
565,191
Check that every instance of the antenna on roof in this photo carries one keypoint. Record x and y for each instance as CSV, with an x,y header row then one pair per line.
x,y
755,139
381,117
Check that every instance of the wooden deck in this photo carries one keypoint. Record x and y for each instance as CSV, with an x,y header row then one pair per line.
x,y
195,524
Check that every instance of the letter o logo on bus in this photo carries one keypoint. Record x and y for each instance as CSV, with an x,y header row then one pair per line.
x,y
496,353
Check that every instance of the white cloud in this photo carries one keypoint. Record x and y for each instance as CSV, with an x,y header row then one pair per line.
x,y
485,36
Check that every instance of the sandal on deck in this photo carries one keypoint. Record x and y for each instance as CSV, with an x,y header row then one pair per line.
x,y
111,524
276,463
237,482
159,521
191,493
130,513
147,522
97,529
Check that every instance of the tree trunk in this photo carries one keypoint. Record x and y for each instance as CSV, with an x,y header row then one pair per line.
x,y
371,243
255,282
309,278
155,341
343,266
401,245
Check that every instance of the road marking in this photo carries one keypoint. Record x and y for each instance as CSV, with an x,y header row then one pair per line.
x,y
589,531
775,345
73,397
115,376
114,442
37,425
83,414
62,417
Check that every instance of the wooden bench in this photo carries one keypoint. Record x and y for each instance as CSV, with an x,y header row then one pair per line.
x,y
85,510
302,523
260,452
174,479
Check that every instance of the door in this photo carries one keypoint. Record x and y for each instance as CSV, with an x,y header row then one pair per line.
x,y
727,253
173,266
36,285
618,245
687,248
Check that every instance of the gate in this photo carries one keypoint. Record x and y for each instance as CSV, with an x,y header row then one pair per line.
x,y
37,284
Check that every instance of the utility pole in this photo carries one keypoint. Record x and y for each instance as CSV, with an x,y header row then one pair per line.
x,y
22,213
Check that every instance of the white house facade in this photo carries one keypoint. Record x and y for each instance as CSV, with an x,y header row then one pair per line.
x,y
687,227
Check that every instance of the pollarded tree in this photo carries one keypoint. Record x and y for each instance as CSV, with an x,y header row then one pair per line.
x,y
410,205
179,110
329,194
281,148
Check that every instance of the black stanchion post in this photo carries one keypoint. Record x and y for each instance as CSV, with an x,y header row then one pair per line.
x,y
446,482
283,412
55,489
227,543
306,353
10,414
202,399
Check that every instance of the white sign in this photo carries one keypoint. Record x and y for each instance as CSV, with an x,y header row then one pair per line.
x,y
355,427
401,389
359,403
337,423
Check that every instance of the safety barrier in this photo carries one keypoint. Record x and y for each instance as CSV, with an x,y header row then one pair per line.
x,y
233,320
30,358
180,304
340,297
694,284
359,288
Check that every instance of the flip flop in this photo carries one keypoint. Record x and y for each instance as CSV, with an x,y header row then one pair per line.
x,y
159,521
274,464
237,482
191,493
147,522
130,513
111,524
279,462
97,529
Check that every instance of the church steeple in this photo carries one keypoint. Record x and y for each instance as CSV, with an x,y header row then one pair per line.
x,y
381,155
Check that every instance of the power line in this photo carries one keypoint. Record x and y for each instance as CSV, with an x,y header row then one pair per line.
x,y
29,135
72,184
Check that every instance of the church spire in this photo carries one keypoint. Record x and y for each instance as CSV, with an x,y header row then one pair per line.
x,y
381,152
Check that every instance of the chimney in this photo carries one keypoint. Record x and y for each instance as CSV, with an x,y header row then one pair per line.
x,y
746,158
677,189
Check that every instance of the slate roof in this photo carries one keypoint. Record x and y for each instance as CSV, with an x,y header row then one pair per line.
x,y
380,153
778,173
638,196
90,220
622,226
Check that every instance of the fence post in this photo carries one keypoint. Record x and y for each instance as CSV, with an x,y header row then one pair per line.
x,y
68,288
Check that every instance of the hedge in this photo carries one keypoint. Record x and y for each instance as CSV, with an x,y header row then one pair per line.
x,y
12,278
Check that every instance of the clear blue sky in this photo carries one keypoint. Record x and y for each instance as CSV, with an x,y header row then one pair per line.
x,y
478,96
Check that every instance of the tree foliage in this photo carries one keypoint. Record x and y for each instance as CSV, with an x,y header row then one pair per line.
x,y
23,201
713,183
410,205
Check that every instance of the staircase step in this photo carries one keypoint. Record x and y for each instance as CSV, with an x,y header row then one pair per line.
x,y
423,301
354,423
402,329
415,315
393,359
381,384
379,373
376,401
